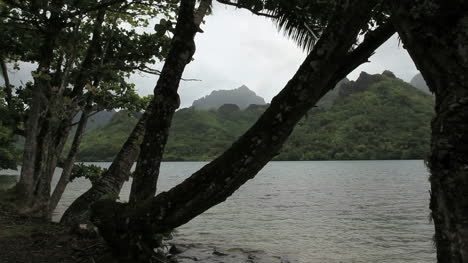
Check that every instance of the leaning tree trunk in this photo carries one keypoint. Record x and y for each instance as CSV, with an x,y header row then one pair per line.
x,y
435,33
110,184
166,100
130,229
69,162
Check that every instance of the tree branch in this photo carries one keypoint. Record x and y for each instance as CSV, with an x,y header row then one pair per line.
x,y
99,6
6,78
151,71
69,65
93,52
201,12
366,49
227,2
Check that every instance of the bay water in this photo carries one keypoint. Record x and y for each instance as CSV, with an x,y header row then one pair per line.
x,y
311,212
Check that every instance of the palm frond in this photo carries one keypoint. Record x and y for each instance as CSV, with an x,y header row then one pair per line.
x,y
300,20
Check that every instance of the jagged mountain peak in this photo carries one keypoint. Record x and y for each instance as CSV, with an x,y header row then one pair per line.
x,y
364,82
241,96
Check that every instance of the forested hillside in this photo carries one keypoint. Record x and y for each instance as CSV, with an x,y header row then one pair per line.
x,y
374,117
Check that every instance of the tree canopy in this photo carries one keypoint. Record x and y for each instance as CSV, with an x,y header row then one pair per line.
x,y
84,52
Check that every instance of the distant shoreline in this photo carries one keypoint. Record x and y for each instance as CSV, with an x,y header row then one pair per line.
x,y
17,172
330,160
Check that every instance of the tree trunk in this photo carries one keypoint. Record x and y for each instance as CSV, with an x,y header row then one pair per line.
x,y
24,188
6,79
131,229
49,123
39,105
50,143
435,33
37,131
166,100
110,184
69,162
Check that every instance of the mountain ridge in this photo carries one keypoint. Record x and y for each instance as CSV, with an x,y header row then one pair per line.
x,y
242,97
375,117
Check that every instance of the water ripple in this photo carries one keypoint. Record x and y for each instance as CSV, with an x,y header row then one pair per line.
x,y
314,212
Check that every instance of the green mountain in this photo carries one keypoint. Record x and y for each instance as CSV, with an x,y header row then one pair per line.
x,y
386,118
242,97
375,117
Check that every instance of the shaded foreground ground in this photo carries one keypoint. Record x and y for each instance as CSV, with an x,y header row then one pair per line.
x,y
26,240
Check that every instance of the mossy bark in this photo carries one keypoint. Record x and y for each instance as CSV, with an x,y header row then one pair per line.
x,y
435,33
166,100
109,186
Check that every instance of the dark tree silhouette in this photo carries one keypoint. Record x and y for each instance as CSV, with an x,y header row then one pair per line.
x,y
435,33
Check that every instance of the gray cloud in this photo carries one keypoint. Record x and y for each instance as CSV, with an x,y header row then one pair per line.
x,y
20,77
240,48
237,48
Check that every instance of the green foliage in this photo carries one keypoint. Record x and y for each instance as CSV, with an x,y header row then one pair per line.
x,y
9,155
95,45
86,51
89,171
8,152
388,120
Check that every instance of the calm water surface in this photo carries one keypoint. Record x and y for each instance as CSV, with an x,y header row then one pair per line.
x,y
314,212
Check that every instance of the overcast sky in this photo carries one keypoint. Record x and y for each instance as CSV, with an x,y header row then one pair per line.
x,y
239,48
